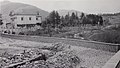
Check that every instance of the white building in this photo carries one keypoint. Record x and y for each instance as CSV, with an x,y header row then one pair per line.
x,y
22,22
25,20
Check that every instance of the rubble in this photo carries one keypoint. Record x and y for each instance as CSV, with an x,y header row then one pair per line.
x,y
26,54
56,56
59,60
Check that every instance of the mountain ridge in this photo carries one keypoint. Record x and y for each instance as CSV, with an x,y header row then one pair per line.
x,y
64,12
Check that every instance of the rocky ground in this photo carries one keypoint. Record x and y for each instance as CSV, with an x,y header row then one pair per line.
x,y
49,55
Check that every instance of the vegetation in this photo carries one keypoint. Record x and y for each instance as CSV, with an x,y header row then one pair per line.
x,y
54,22
93,19
111,18
108,36
21,33
1,22
0,19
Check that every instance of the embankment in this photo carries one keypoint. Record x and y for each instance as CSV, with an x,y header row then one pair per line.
x,y
89,44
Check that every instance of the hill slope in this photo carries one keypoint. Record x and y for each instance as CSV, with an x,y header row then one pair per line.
x,y
113,18
7,7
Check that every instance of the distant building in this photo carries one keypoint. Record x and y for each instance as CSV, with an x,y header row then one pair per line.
x,y
21,22
25,20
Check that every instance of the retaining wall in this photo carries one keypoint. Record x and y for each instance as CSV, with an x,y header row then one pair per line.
x,y
89,44
114,62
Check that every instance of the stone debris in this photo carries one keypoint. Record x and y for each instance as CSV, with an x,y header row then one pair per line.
x,y
56,56
16,58
59,60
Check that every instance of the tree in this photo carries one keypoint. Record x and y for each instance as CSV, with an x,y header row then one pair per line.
x,y
92,19
73,16
62,21
52,22
57,19
100,20
67,20
1,22
77,20
72,19
1,19
54,19
45,23
82,15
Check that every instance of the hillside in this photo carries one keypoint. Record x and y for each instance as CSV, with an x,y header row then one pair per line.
x,y
113,18
109,34
65,12
7,6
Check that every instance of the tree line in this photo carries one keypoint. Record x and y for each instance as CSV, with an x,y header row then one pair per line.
x,y
54,20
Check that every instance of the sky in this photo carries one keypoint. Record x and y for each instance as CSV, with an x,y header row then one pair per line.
x,y
87,6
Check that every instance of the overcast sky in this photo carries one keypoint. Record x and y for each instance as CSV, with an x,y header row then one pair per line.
x,y
87,6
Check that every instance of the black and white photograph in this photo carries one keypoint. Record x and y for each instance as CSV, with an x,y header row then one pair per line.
x,y
59,33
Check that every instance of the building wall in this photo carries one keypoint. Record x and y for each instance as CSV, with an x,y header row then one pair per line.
x,y
26,19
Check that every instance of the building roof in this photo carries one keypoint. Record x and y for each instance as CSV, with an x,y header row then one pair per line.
x,y
27,15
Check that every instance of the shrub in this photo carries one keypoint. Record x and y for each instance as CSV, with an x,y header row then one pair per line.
x,y
13,32
21,33
5,31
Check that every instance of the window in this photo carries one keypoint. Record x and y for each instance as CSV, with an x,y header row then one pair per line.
x,y
29,18
21,18
36,18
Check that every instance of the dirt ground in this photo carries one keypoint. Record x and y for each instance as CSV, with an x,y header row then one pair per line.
x,y
90,57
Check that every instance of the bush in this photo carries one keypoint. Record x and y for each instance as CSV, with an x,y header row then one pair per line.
x,y
13,32
5,31
21,33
